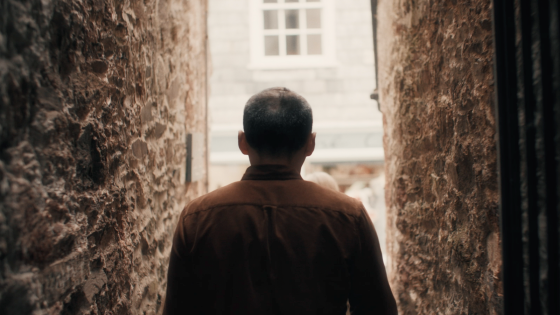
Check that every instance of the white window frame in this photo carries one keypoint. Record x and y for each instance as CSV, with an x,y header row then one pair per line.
x,y
258,58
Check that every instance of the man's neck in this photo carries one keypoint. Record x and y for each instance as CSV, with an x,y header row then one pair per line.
x,y
294,162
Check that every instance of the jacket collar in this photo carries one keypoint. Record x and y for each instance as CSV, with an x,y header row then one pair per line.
x,y
270,172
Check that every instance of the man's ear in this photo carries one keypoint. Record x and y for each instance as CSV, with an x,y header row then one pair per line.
x,y
242,143
310,145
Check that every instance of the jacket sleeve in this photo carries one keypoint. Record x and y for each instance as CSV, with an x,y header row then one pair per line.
x,y
180,292
370,291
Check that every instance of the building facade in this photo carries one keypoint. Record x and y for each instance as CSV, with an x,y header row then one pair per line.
x,y
321,49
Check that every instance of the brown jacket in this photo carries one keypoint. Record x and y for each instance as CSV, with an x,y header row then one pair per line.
x,y
276,244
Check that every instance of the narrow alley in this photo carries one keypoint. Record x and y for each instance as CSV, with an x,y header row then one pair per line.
x,y
441,117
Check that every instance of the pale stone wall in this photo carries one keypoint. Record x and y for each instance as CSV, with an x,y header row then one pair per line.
x,y
96,99
436,88
346,120
337,94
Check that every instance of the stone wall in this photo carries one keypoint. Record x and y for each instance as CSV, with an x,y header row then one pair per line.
x,y
436,89
96,99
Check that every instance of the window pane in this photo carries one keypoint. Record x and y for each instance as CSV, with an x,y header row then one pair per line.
x,y
314,44
292,19
271,47
270,1
270,19
291,1
292,45
313,18
313,0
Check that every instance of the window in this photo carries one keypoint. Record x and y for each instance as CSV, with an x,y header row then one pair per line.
x,y
292,34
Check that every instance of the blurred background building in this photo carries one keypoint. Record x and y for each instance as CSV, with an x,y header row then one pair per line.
x,y
321,49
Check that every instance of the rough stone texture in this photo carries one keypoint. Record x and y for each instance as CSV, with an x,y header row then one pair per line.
x,y
436,88
96,99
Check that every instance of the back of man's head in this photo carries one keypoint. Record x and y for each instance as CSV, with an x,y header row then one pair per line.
x,y
277,121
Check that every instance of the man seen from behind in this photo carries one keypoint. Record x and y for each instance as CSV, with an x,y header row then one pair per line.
x,y
273,243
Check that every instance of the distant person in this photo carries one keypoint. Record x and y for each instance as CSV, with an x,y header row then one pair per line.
x,y
323,179
273,243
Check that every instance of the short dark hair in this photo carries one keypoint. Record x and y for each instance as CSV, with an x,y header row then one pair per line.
x,y
277,121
